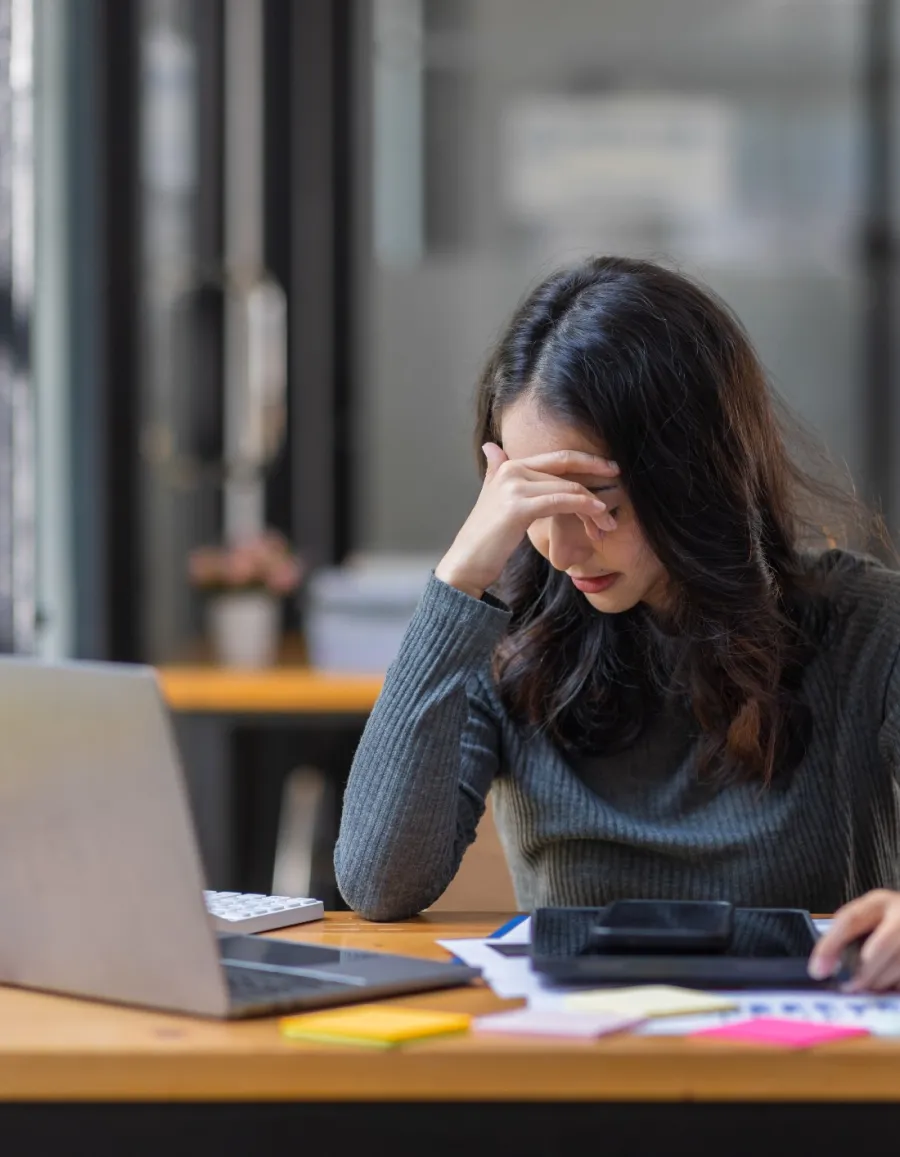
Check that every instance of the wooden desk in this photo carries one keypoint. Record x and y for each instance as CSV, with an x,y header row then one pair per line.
x,y
63,1051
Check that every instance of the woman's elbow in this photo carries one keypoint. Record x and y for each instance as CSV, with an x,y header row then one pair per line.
x,y
375,899
378,906
382,913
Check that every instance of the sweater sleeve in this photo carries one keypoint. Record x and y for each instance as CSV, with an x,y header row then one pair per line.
x,y
426,760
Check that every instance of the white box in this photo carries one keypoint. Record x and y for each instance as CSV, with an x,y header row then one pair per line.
x,y
355,615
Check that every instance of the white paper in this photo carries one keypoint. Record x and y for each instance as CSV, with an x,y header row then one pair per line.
x,y
508,976
521,934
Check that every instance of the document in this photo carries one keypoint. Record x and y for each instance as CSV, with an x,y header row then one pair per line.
x,y
508,976
880,1015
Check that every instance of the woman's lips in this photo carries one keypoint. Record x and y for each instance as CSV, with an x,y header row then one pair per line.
x,y
593,586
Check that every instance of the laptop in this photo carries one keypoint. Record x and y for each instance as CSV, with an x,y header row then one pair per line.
x,y
101,886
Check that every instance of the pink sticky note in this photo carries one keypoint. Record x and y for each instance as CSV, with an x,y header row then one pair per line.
x,y
790,1034
534,1022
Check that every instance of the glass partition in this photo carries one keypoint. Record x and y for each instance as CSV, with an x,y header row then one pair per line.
x,y
725,136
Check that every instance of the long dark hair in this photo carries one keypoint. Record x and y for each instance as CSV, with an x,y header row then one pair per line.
x,y
661,371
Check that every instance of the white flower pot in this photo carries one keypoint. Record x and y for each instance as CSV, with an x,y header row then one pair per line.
x,y
244,628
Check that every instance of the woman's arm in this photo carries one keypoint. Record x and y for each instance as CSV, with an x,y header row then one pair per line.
x,y
429,751
425,762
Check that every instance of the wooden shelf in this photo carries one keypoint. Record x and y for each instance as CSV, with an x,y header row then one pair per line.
x,y
299,690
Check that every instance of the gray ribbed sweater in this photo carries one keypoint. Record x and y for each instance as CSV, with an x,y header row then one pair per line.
x,y
438,740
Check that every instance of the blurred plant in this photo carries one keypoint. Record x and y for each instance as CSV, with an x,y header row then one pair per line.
x,y
264,562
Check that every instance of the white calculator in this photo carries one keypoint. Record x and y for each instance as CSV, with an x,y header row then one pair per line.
x,y
243,912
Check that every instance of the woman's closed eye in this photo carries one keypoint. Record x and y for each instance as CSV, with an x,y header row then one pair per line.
x,y
602,493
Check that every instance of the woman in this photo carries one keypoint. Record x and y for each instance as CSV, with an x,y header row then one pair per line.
x,y
673,697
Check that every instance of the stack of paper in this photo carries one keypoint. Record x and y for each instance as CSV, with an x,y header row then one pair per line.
x,y
530,1022
789,1034
646,1001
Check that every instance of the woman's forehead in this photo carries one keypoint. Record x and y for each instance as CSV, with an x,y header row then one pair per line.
x,y
527,429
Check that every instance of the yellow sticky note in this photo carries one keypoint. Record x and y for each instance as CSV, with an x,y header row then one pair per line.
x,y
648,1000
380,1026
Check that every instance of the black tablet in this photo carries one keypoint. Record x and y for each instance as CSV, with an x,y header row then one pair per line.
x,y
767,948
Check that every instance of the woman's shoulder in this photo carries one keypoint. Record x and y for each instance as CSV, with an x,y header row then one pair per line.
x,y
850,580
853,604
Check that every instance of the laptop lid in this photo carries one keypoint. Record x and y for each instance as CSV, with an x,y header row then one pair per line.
x,y
101,887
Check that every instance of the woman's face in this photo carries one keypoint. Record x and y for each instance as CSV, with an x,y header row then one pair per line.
x,y
625,569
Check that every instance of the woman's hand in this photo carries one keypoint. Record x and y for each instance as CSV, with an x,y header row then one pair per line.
x,y
877,917
514,495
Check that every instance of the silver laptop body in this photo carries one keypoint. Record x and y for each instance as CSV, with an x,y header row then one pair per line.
x,y
101,886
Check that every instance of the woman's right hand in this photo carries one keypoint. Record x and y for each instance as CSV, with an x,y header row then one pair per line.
x,y
514,495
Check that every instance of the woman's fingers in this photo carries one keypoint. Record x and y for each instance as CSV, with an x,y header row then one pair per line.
x,y
550,503
494,457
878,979
552,494
879,957
887,979
881,979
571,462
855,919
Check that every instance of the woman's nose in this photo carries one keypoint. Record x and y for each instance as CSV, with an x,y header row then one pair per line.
x,y
569,543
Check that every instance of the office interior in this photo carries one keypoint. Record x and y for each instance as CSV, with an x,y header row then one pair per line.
x,y
253,253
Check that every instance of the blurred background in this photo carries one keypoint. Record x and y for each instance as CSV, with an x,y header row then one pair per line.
x,y
253,254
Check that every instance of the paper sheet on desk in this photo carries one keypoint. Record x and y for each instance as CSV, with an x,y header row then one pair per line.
x,y
521,934
509,976
880,1015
